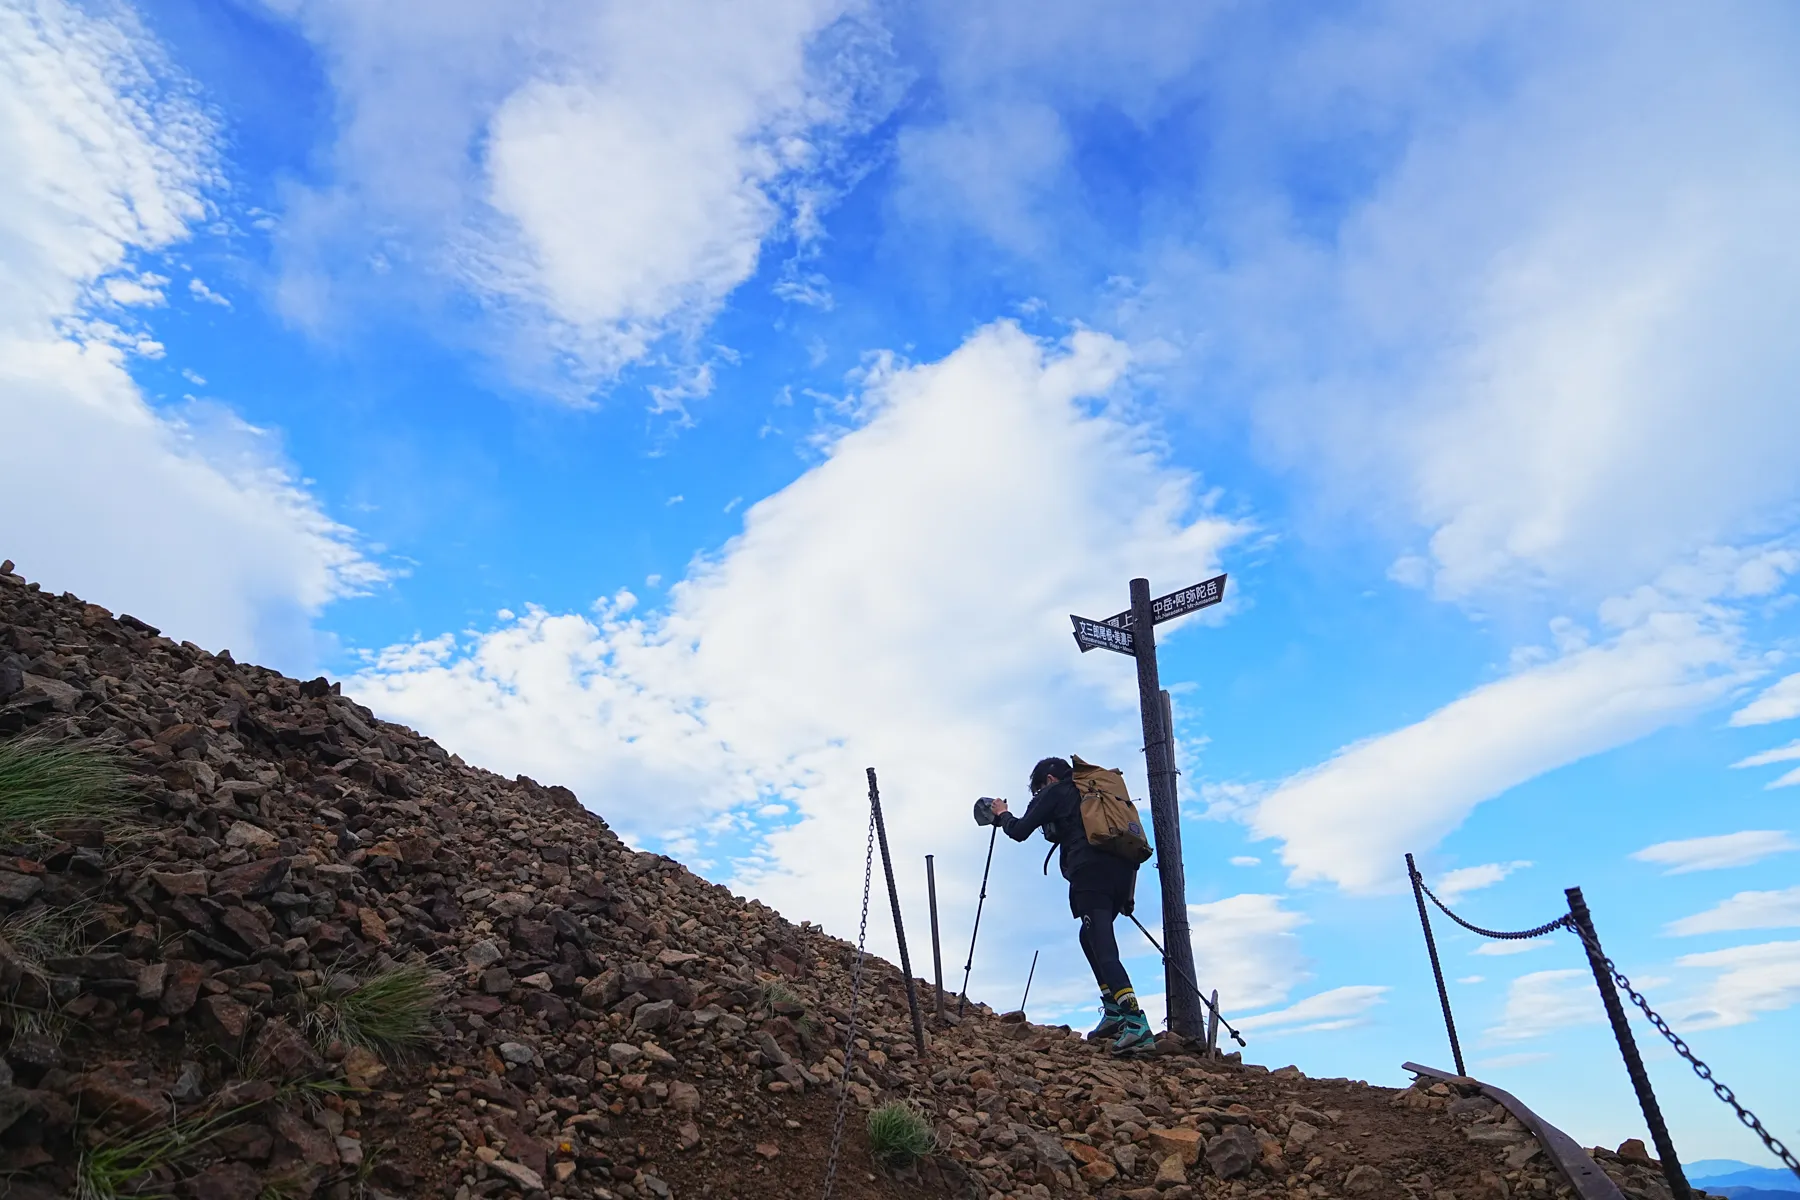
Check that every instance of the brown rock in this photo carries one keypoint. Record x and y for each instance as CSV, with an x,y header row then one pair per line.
x,y
373,927
228,1018
1170,1172
110,1094
1184,1143
362,1069
768,1150
1099,1171
150,980
527,1179
307,1140
253,880
684,1097
248,927
182,989
1364,1180
280,1046
226,1181
185,883
1634,1150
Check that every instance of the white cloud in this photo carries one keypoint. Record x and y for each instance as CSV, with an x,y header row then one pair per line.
x,y
1787,753
1524,1058
1473,979
871,613
1746,910
1339,1008
1717,852
1464,880
601,175
1545,1001
1351,819
1550,331
1246,947
1779,702
1752,980
1502,949
104,158
1246,860
198,289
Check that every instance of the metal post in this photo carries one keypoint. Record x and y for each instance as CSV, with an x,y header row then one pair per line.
x,y
1212,1026
1412,873
937,958
1634,1065
1185,1017
963,997
1028,979
887,864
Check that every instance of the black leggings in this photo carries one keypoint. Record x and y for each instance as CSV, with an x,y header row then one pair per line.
x,y
1102,949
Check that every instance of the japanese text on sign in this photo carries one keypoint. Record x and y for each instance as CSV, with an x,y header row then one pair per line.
x,y
1089,634
1176,604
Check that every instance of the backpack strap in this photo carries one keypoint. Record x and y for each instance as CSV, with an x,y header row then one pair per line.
x,y
1054,847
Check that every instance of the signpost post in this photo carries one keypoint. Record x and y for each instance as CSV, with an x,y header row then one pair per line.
x,y
1133,632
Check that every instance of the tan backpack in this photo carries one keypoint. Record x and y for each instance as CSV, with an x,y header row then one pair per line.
x,y
1107,812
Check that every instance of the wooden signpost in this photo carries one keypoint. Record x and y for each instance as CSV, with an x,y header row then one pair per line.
x,y
1133,632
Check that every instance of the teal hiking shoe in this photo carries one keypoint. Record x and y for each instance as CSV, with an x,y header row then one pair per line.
x,y
1135,1036
1112,1019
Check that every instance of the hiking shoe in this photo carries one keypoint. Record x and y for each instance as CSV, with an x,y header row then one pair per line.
x,y
1112,1019
1135,1036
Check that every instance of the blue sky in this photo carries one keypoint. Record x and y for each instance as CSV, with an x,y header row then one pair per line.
x,y
697,404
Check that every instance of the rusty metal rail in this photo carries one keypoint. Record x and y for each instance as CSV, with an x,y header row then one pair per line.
x,y
1582,1172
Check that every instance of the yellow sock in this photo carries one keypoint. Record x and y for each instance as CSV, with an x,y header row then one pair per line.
x,y
1126,999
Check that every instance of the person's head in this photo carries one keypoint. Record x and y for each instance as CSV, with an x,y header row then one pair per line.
x,y
1048,771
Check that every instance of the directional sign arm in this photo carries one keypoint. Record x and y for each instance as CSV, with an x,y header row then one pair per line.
x,y
1092,634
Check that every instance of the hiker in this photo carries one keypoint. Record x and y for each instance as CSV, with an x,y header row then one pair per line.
x,y
1102,881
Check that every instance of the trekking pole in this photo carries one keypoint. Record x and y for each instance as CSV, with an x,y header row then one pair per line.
x,y
963,999
1028,978
1188,979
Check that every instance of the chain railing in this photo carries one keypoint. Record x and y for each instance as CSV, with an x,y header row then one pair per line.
x,y
856,973
1607,977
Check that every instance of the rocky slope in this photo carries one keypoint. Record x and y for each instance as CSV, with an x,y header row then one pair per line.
x,y
606,1024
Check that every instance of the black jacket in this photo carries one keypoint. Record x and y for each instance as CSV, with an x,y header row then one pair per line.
x,y
1057,811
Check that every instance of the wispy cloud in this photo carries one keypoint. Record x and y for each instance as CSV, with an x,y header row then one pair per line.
x,y
1779,702
1464,880
1545,1001
1746,910
1752,980
1506,948
1717,852
1339,1008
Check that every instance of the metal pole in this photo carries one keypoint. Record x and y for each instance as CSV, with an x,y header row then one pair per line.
x,y
887,864
1189,980
937,958
1212,1026
1028,979
1634,1065
1412,873
1185,1016
963,997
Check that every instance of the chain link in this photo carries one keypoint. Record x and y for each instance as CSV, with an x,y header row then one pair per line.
x,y
1748,1118
862,934
1564,921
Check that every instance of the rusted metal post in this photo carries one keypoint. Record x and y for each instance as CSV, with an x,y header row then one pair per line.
x,y
1634,1063
1437,970
887,864
1212,1026
1185,1016
937,957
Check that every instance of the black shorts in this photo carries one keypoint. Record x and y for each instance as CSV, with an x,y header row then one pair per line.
x,y
1105,884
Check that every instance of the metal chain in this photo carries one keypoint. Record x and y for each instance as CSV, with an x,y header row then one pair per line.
x,y
1724,1093
862,934
1564,921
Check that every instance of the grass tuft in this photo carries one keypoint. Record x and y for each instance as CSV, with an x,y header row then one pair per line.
x,y
388,1012
116,1168
899,1134
40,933
45,783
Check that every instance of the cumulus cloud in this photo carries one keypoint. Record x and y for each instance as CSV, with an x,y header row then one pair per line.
x,y
1779,702
1247,947
1751,980
1746,910
1717,852
903,604
600,175
1503,949
1351,819
1545,1001
105,157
